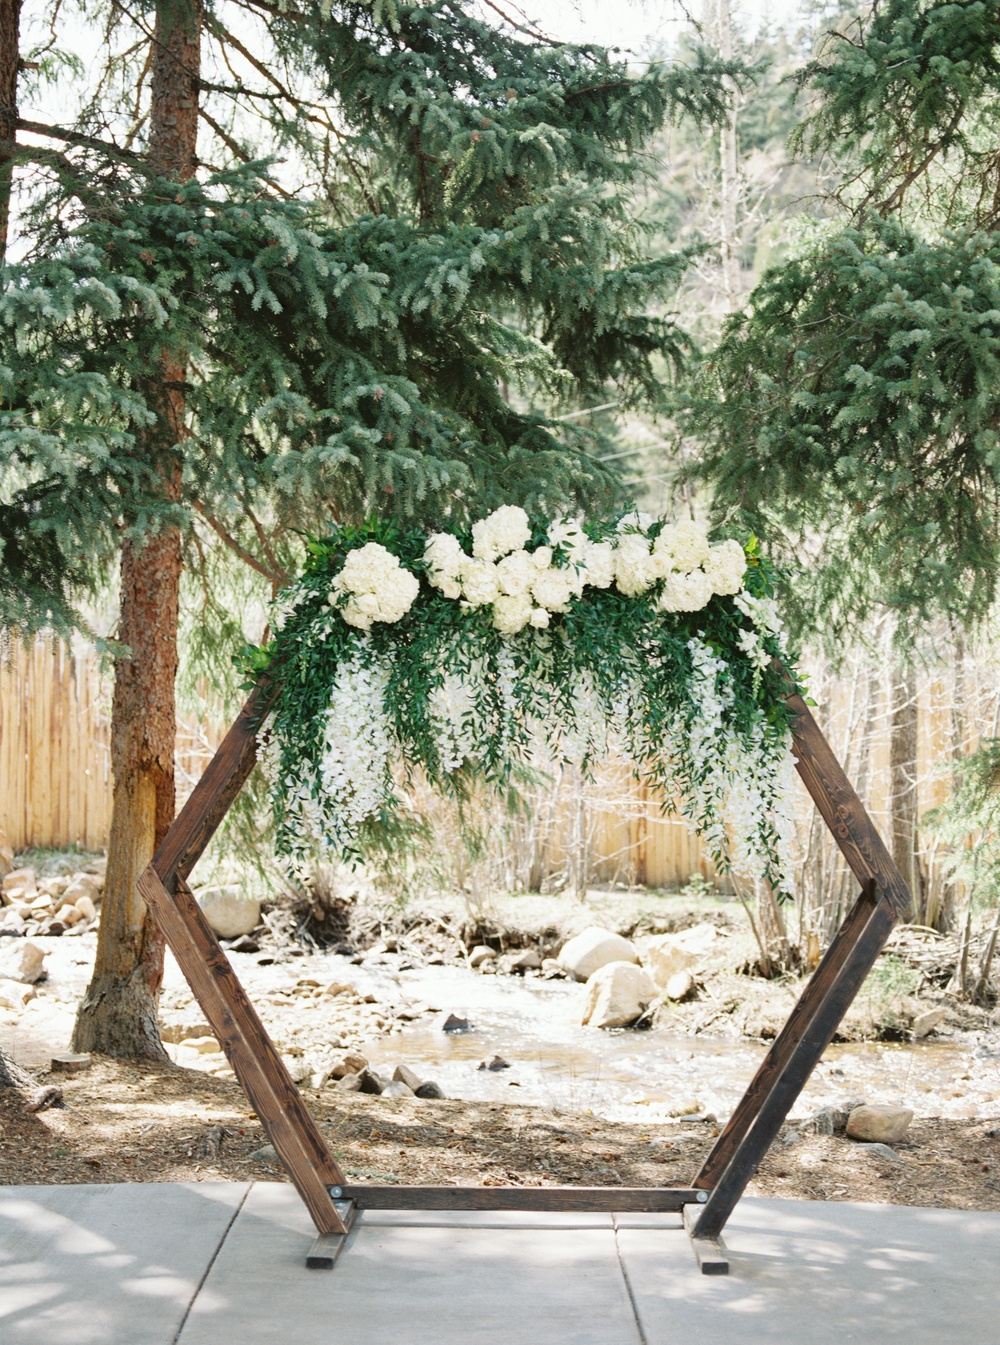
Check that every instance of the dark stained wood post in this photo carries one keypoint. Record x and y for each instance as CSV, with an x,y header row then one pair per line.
x,y
708,1202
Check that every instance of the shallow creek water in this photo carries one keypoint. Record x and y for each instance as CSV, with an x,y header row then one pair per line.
x,y
653,1074
534,1024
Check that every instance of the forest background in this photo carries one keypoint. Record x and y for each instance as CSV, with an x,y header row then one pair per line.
x,y
743,196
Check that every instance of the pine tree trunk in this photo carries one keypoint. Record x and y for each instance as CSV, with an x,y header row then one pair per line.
x,y
10,36
903,777
118,1014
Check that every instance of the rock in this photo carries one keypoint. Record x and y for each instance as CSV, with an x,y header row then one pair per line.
x,y
396,1088
429,1089
926,1022
6,855
403,1074
551,965
791,1137
372,1082
70,1063
85,905
822,1122
339,988
349,1063
244,944
879,1125
19,883
495,1063
882,1151
593,949
267,1153
228,911
841,1111
203,1045
350,1083
616,995
666,955
679,986
480,954
68,915
452,1023
299,1069
83,885
23,962
528,960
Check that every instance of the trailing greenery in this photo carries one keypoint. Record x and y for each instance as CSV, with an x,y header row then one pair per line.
x,y
691,698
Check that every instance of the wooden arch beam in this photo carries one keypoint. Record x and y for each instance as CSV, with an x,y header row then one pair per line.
x,y
710,1199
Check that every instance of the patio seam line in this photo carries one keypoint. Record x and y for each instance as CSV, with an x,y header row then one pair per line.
x,y
628,1283
211,1262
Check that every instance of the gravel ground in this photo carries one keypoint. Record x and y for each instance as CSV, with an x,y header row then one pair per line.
x,y
135,1123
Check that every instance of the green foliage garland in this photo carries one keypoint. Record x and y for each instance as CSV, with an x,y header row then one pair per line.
x,y
692,699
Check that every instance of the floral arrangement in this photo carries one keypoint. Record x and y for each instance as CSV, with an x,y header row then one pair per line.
x,y
472,655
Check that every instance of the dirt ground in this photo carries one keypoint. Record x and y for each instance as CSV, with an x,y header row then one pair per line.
x,y
138,1123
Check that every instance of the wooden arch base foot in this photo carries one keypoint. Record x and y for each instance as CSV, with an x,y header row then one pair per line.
x,y
707,1203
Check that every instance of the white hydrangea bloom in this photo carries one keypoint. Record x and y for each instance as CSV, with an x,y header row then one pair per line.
x,y
553,588
634,522
515,573
512,612
682,546
367,569
633,569
568,533
376,586
444,552
599,564
501,532
480,584
445,558
725,567
685,592
539,618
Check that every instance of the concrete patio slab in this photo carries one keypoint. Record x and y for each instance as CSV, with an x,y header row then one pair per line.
x,y
107,1265
223,1264
407,1284
815,1273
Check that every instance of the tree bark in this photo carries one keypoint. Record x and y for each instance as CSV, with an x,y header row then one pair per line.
x,y
903,777
119,1012
10,64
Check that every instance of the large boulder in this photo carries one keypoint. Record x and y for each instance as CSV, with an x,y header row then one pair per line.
x,y
879,1125
616,995
25,962
228,911
19,885
594,948
666,955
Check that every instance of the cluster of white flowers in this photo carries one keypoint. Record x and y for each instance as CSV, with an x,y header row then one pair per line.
x,y
728,762
373,586
525,588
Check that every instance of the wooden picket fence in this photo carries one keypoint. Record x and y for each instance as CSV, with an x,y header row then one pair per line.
x,y
55,775
55,756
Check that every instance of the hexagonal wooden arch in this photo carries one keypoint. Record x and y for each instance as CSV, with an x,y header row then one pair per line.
x,y
708,1201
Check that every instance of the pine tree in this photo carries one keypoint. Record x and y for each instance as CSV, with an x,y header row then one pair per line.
x,y
256,345
851,412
